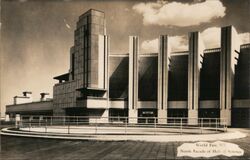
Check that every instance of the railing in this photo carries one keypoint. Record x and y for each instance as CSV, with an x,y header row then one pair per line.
x,y
121,125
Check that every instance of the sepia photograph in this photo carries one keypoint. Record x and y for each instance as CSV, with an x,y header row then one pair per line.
x,y
124,79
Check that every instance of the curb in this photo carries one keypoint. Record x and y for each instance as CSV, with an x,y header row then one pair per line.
x,y
148,138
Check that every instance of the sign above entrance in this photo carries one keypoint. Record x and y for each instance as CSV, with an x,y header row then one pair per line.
x,y
147,112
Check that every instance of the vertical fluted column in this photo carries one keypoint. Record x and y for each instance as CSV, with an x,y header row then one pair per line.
x,y
133,79
228,56
196,49
103,51
106,67
106,55
162,88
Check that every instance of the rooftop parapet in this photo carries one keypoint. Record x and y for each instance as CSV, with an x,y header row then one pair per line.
x,y
245,45
212,50
63,77
93,12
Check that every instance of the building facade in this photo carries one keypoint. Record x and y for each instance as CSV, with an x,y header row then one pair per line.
x,y
198,83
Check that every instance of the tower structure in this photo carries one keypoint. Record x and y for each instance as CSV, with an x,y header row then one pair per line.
x,y
133,79
163,67
88,73
228,59
196,49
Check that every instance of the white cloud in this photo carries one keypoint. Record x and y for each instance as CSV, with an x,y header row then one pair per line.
x,y
177,43
180,14
211,37
150,46
126,9
245,37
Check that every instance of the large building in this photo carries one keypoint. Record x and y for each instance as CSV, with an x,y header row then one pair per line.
x,y
198,83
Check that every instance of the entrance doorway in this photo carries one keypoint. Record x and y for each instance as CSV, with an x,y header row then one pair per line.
x,y
118,115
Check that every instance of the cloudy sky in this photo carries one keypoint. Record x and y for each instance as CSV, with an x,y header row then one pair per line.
x,y
36,35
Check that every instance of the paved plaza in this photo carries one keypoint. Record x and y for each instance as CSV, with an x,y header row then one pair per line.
x,y
35,148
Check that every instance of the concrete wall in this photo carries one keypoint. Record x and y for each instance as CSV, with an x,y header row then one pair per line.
x,y
96,103
209,104
147,104
64,94
30,108
88,61
177,104
86,48
241,103
118,104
